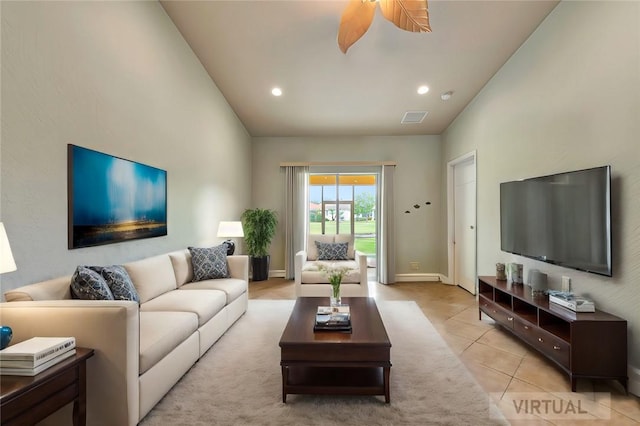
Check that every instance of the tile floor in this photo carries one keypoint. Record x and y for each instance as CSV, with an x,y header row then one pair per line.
x,y
499,362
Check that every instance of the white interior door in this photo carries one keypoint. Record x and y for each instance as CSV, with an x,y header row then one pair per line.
x,y
464,239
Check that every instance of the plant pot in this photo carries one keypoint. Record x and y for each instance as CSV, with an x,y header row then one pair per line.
x,y
260,268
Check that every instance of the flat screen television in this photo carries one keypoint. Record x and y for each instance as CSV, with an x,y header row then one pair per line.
x,y
563,219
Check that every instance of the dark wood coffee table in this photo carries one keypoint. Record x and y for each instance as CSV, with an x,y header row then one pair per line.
x,y
334,363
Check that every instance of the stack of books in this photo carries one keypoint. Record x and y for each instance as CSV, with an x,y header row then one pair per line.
x,y
35,355
333,319
574,303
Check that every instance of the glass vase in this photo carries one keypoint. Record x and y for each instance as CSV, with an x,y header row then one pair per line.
x,y
335,299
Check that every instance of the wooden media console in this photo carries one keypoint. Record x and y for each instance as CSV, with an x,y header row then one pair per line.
x,y
584,345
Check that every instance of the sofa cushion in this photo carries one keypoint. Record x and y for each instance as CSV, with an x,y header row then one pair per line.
x,y
232,287
118,281
204,303
152,276
312,250
182,266
209,263
88,284
162,332
332,251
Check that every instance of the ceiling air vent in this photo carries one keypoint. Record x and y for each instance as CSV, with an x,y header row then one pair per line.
x,y
411,117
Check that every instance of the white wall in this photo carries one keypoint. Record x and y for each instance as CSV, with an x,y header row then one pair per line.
x,y
568,99
119,78
417,180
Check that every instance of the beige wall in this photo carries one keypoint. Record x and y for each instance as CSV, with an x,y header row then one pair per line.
x,y
119,78
418,175
568,99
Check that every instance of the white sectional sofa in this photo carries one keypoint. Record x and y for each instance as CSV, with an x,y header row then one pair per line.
x,y
142,350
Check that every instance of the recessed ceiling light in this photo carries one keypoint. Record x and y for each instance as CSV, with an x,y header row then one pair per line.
x,y
446,95
276,91
422,90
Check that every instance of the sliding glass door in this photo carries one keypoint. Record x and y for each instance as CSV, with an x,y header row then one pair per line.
x,y
344,203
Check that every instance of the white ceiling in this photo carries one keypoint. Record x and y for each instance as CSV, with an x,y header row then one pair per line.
x,y
248,47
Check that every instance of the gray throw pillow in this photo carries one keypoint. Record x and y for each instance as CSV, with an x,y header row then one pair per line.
x,y
209,263
87,284
332,251
119,282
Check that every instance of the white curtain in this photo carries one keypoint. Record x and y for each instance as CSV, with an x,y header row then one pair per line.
x,y
387,228
295,214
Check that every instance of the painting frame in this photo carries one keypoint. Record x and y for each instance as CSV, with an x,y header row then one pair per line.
x,y
112,199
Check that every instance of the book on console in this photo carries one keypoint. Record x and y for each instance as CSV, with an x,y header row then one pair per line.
x,y
574,303
36,351
15,371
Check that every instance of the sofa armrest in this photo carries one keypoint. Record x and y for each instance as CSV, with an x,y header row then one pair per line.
x,y
112,329
239,266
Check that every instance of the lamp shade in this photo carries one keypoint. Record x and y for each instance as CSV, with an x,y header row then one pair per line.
x,y
7,264
230,230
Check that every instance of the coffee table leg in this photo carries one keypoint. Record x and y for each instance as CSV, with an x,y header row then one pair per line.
x,y
285,378
387,397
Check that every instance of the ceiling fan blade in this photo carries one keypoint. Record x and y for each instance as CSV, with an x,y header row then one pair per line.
x,y
409,15
356,20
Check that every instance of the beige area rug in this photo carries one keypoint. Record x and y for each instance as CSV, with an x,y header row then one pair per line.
x,y
238,381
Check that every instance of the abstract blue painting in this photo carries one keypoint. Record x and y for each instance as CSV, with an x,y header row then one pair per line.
x,y
112,199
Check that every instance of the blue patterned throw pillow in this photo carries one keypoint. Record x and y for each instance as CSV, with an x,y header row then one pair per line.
x,y
87,284
332,251
118,281
209,263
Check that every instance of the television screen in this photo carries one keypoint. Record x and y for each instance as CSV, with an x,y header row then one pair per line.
x,y
564,219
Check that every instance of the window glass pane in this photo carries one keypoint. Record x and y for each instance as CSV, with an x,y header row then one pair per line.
x,y
345,192
344,218
329,193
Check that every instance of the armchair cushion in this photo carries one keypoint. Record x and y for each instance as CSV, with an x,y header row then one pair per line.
x,y
312,250
311,273
332,251
344,238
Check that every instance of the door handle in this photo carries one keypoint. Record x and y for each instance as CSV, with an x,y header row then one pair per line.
x,y
471,227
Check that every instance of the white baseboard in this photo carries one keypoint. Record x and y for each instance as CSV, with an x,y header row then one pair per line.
x,y
411,278
445,280
634,380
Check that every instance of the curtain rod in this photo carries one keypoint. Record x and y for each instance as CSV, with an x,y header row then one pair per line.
x,y
338,163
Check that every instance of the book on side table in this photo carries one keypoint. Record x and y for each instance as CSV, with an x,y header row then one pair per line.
x,y
35,355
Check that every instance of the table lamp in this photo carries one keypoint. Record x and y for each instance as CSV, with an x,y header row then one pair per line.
x,y
230,230
7,264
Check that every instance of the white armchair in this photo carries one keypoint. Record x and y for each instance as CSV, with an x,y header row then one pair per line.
x,y
311,282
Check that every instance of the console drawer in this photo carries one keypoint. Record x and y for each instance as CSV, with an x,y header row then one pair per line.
x,y
526,330
497,312
554,347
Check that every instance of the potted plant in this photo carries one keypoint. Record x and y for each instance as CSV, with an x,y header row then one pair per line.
x,y
259,228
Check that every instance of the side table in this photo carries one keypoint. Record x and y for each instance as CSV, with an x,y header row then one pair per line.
x,y
27,400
